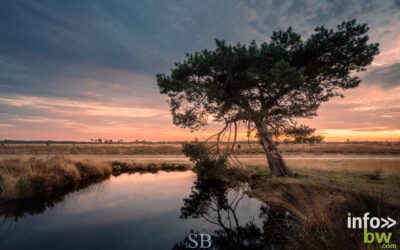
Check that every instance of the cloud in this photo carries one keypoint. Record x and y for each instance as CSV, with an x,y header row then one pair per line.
x,y
65,107
77,67
51,45
6,125
386,76
367,108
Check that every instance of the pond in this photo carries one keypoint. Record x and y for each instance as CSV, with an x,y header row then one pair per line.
x,y
136,211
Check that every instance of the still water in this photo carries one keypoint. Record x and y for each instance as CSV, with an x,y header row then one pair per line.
x,y
129,211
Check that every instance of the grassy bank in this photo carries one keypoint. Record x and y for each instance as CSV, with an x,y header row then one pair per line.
x,y
311,210
320,213
319,200
23,177
374,181
26,178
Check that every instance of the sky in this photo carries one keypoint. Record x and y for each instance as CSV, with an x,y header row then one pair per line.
x,y
78,69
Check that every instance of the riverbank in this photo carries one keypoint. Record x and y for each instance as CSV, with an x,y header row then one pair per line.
x,y
27,178
321,214
24,176
320,200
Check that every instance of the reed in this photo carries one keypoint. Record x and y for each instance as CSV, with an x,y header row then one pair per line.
x,y
26,178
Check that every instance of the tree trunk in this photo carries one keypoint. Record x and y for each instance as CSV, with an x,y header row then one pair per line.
x,y
277,165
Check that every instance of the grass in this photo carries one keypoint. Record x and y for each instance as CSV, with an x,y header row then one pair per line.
x,y
26,178
175,149
372,181
319,199
388,167
146,167
319,202
28,169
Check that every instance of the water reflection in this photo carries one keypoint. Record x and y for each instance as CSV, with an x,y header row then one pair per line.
x,y
142,211
17,210
217,202
129,211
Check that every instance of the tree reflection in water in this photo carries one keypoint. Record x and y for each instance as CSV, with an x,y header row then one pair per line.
x,y
17,210
216,201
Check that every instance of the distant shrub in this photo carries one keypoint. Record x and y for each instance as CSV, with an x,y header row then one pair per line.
x,y
206,164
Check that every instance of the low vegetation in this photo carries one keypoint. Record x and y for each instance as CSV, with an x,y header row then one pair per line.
x,y
318,198
373,181
315,203
118,166
26,178
320,210
176,148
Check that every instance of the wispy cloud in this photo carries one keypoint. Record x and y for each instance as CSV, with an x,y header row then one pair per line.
x,y
76,69
386,76
65,106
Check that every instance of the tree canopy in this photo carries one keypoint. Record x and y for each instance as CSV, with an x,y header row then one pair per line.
x,y
280,79
267,86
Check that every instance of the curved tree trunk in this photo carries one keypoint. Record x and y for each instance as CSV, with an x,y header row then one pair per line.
x,y
277,165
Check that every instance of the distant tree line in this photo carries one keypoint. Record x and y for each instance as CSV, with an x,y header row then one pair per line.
x,y
107,141
302,134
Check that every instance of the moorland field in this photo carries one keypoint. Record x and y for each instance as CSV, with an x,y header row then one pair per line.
x,y
371,166
331,178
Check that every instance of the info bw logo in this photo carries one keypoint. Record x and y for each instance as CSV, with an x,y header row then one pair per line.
x,y
366,222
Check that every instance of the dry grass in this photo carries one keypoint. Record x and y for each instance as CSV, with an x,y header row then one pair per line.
x,y
320,199
372,181
320,212
386,167
23,176
21,179
175,148
346,157
89,149
119,166
27,178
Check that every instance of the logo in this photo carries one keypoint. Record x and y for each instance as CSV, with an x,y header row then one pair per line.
x,y
370,225
200,240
